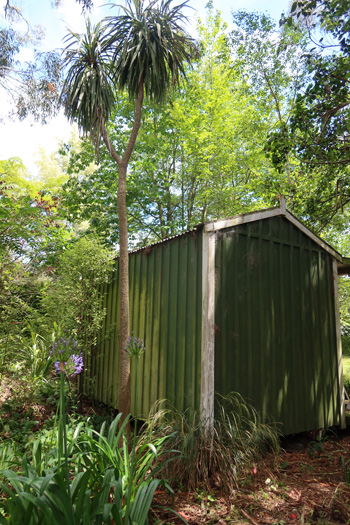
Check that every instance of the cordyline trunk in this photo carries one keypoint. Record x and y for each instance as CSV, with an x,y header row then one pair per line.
x,y
124,393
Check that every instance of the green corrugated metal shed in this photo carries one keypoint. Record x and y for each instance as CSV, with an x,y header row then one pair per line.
x,y
247,304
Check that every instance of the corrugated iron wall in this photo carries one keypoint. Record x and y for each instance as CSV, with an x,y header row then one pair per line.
x,y
275,337
166,311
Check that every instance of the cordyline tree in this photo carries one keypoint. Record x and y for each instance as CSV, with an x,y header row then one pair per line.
x,y
141,50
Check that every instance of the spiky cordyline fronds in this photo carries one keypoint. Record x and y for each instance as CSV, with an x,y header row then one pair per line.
x,y
150,46
145,43
88,93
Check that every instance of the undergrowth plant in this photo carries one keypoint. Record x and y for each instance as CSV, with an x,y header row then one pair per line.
x,y
37,361
92,494
215,456
345,465
7,456
86,478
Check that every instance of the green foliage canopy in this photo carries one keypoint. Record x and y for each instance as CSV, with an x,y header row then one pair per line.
x,y
318,130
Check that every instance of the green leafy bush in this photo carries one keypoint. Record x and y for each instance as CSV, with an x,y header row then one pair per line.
x,y
346,372
74,299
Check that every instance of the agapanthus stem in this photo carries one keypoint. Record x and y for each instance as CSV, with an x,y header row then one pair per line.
x,y
62,433
134,444
61,422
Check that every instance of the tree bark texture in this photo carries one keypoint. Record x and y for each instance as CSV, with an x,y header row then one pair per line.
x,y
124,391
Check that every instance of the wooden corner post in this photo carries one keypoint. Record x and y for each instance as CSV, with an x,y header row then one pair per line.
x,y
339,346
208,329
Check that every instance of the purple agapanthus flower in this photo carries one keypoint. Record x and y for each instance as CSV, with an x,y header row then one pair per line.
x,y
72,367
66,360
134,346
75,364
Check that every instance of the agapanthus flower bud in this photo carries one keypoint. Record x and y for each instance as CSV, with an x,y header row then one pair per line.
x,y
134,346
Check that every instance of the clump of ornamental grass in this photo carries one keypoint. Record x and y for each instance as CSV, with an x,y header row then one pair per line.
x,y
214,456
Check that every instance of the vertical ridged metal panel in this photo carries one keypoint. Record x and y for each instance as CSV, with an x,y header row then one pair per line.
x,y
275,328
166,311
275,335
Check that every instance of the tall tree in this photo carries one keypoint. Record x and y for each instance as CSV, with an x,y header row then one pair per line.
x,y
141,50
321,116
319,128
271,60
198,158
33,86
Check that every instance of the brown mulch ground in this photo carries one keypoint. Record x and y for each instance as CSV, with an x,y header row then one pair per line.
x,y
299,485
304,484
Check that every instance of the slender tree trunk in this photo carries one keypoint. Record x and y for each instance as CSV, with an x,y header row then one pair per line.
x,y
124,392
124,328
